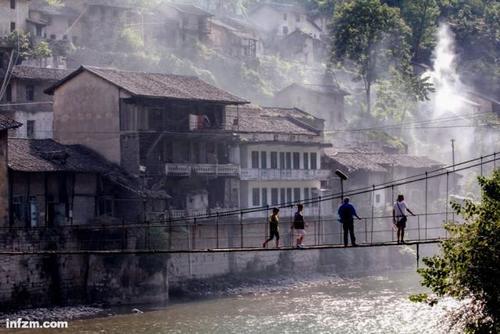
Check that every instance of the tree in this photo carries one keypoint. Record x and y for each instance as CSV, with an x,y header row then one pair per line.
x,y
421,17
370,38
469,266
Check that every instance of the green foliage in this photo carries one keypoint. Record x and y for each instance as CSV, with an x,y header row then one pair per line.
x,y
131,39
469,266
476,24
22,44
370,38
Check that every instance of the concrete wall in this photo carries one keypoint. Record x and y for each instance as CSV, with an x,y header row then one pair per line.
x,y
36,281
4,180
86,112
17,15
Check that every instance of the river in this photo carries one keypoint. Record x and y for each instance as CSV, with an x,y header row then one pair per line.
x,y
316,304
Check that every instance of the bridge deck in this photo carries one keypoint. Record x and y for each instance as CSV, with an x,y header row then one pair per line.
x,y
216,250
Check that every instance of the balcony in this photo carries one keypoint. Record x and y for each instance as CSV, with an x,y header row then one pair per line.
x,y
251,174
202,169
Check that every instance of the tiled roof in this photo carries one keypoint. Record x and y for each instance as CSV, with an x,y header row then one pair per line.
x,y
378,161
46,155
287,112
255,120
63,10
7,123
39,73
353,161
283,7
318,88
158,85
190,9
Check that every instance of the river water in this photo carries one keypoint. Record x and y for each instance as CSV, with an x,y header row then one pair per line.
x,y
316,304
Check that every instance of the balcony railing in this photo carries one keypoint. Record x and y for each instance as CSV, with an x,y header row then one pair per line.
x,y
249,174
202,169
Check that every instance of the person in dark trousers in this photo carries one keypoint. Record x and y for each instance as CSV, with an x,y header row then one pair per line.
x,y
347,212
399,217
273,228
299,225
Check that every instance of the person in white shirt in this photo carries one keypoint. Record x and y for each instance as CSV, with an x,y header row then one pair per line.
x,y
399,216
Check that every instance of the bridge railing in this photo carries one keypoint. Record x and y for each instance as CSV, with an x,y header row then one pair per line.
x,y
219,233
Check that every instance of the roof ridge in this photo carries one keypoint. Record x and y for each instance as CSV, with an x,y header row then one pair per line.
x,y
90,67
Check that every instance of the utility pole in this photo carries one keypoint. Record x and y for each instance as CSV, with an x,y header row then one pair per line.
x,y
453,153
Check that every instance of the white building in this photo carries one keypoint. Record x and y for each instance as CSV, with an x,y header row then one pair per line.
x,y
280,160
283,19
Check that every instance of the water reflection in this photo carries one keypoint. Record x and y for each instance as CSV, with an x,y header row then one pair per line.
x,y
375,304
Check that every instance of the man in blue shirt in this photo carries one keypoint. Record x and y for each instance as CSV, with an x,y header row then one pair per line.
x,y
347,213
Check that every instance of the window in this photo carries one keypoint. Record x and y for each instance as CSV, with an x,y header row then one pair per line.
x,y
297,17
30,92
282,160
263,160
285,30
306,160
255,159
285,17
296,194
314,161
274,196
377,198
255,196
264,196
288,164
296,160
12,26
65,37
52,36
38,30
289,198
30,129
307,196
274,160
283,195
12,4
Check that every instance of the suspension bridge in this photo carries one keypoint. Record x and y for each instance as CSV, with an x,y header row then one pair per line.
x,y
229,231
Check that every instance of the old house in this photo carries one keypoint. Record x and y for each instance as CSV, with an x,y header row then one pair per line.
x,y
324,101
6,124
185,25
367,168
302,47
14,16
234,38
52,184
100,23
484,103
51,22
26,102
280,159
279,20
169,130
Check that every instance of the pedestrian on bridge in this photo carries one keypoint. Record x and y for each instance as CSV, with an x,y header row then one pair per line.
x,y
273,228
299,225
347,212
399,217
